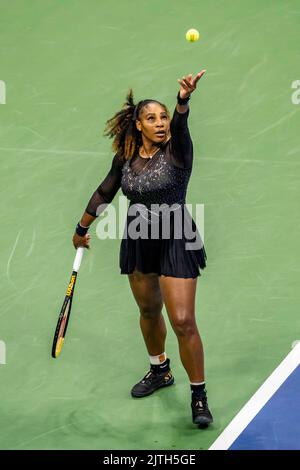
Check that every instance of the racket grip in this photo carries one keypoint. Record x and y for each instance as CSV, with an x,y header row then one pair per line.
x,y
78,258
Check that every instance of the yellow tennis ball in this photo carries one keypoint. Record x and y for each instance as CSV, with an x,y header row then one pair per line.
x,y
192,35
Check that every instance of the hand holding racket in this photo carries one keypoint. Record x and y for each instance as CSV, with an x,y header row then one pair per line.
x,y
64,315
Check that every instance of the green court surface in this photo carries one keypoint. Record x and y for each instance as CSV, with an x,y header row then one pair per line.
x,y
67,66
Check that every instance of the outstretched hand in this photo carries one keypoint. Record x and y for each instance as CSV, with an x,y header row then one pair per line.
x,y
188,84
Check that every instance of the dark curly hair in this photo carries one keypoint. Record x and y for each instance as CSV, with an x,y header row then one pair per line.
x,y
121,127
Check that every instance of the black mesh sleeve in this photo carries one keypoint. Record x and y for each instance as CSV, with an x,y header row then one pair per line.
x,y
107,190
181,142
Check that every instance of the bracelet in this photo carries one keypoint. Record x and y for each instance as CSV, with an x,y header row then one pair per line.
x,y
80,230
183,101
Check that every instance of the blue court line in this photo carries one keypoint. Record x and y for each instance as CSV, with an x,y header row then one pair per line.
x,y
277,425
271,418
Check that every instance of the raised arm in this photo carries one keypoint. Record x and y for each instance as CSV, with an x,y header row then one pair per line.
x,y
182,146
103,195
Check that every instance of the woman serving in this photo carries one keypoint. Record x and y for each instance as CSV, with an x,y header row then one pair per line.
x,y
152,165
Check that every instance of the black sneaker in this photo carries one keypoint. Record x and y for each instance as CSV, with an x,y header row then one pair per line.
x,y
152,381
201,414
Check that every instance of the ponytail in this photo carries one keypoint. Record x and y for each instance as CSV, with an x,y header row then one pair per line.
x,y
121,127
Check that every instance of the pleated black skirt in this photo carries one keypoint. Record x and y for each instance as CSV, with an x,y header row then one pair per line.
x,y
164,251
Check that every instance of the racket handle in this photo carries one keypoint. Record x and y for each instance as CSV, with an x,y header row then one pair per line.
x,y
78,258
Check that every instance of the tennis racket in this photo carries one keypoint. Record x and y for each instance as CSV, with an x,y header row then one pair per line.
x,y
64,315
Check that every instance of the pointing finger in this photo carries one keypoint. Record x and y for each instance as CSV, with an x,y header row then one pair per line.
x,y
198,76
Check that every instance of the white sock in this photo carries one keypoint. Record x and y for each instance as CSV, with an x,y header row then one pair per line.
x,y
197,383
157,360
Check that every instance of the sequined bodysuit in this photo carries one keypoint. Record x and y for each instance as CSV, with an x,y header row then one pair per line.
x,y
163,179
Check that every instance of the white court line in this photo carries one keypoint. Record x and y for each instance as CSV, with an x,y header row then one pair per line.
x,y
98,153
11,255
32,244
275,124
259,399
58,151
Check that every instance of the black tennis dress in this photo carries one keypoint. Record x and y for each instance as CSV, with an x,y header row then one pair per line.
x,y
160,236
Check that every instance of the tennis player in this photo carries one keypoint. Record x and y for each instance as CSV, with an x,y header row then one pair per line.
x,y
152,165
